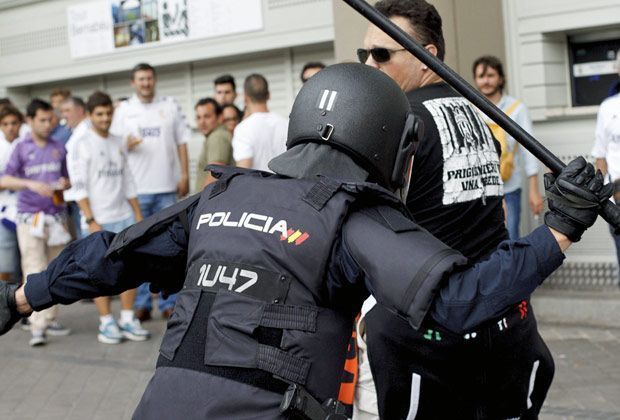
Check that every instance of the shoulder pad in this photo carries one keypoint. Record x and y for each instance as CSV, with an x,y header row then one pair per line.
x,y
141,232
403,263
391,218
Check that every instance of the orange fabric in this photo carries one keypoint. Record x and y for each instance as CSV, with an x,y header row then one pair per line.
x,y
349,375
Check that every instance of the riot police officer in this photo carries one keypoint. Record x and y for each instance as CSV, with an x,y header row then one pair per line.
x,y
271,268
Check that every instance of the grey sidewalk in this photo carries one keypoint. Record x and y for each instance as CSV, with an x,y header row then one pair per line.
x,y
75,377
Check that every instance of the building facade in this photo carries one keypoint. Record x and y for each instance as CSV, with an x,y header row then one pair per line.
x,y
560,57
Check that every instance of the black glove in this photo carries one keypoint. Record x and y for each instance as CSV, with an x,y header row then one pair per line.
x,y
8,309
574,198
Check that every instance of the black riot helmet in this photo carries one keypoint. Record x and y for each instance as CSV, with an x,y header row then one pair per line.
x,y
361,112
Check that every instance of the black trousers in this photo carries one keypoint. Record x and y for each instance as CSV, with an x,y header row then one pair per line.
x,y
502,370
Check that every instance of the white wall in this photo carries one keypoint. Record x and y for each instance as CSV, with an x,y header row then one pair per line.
x,y
538,73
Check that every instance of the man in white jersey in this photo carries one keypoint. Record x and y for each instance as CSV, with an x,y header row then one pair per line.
x,y
106,193
606,148
73,111
262,134
156,133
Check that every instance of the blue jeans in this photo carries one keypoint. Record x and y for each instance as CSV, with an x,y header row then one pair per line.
x,y
73,211
149,205
9,253
513,207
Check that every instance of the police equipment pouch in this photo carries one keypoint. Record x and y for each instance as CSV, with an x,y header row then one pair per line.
x,y
299,404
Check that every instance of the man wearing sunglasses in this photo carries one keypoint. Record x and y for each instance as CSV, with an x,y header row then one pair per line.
x,y
502,369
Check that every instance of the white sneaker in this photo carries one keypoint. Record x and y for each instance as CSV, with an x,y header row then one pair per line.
x,y
38,339
55,328
109,333
133,331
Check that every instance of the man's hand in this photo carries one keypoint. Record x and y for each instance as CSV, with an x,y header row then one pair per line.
x,y
536,202
574,198
63,183
133,142
41,188
8,308
183,186
94,227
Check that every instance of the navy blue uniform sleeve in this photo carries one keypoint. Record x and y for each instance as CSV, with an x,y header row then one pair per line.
x,y
488,288
82,270
412,273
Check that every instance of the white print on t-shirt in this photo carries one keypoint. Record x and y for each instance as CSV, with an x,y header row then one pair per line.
x,y
471,162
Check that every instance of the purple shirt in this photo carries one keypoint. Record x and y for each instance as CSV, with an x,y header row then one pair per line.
x,y
44,164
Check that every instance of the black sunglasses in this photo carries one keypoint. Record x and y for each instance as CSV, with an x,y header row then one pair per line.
x,y
380,55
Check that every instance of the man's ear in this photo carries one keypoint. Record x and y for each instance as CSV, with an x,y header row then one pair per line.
x,y
431,48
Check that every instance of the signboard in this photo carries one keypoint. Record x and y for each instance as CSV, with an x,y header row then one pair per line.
x,y
105,26
90,29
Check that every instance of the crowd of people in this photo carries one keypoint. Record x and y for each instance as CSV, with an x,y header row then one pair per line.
x,y
74,166
80,167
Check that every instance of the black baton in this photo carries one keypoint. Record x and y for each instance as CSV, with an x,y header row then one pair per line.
x,y
607,210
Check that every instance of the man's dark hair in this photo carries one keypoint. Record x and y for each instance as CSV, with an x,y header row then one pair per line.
x,y
142,67
76,101
237,110
98,98
207,101
224,79
5,102
487,61
423,18
311,65
64,92
37,104
7,110
256,88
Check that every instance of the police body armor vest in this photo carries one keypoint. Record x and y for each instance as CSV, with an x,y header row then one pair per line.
x,y
254,306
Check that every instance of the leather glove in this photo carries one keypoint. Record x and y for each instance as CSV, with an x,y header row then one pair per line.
x,y
574,198
8,308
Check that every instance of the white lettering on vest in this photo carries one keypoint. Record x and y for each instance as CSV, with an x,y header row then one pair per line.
x,y
252,221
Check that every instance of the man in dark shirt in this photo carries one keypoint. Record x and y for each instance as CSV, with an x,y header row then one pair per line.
x,y
456,193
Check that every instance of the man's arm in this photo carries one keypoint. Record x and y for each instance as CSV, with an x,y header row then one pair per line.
x,y
135,207
242,147
155,249
536,201
16,184
244,163
183,184
84,205
412,273
601,165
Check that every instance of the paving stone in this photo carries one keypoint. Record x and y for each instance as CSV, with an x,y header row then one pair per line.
x,y
76,378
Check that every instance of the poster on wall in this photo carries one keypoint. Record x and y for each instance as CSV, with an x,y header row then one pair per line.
x,y
135,22
109,25
173,20
90,29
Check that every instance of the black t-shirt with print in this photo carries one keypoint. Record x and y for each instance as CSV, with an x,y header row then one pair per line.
x,y
455,190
